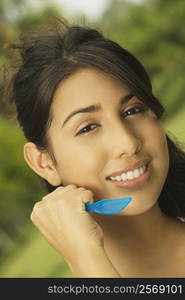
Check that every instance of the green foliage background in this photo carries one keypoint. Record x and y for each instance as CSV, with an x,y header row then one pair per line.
x,y
154,32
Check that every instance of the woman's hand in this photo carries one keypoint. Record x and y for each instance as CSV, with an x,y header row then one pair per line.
x,y
62,219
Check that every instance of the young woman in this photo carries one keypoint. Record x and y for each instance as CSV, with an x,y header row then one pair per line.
x,y
94,132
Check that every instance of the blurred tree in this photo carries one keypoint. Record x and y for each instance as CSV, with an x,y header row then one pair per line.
x,y
19,186
18,17
154,31
19,189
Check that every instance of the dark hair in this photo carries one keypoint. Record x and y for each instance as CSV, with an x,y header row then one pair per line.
x,y
50,57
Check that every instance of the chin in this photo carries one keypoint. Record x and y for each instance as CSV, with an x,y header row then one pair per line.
x,y
135,210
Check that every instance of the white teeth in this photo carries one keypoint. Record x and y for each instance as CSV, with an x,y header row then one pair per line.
x,y
136,173
124,176
130,174
141,170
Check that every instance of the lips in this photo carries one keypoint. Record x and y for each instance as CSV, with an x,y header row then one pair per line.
x,y
134,183
135,165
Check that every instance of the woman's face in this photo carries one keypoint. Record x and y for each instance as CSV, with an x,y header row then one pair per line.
x,y
116,132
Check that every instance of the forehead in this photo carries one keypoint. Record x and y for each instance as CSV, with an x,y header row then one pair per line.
x,y
88,86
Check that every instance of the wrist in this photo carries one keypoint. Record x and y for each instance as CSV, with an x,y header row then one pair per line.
x,y
92,261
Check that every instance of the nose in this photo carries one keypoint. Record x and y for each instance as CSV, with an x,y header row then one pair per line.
x,y
122,139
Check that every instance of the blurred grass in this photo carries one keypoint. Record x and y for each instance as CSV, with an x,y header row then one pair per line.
x,y
37,258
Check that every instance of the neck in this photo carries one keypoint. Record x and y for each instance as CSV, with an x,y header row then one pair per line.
x,y
143,245
146,231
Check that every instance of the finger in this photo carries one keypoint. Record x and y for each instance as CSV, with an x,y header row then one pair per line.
x,y
59,191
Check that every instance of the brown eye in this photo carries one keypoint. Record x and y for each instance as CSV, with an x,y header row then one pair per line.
x,y
134,110
87,128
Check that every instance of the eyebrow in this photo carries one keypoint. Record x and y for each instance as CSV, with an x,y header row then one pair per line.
x,y
95,108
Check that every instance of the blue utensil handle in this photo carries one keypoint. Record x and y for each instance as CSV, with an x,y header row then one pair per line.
x,y
90,207
108,206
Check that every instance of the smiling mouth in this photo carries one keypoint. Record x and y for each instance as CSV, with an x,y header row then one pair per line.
x,y
132,178
130,175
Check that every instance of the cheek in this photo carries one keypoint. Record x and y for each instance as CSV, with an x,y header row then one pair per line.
x,y
79,165
157,144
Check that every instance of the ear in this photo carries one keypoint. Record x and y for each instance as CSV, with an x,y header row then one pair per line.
x,y
41,163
